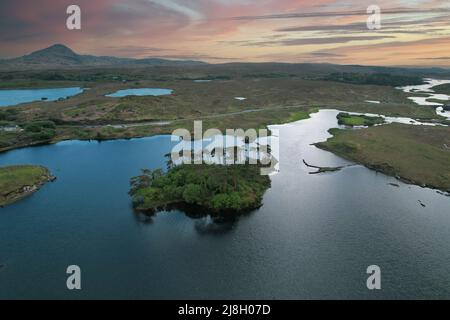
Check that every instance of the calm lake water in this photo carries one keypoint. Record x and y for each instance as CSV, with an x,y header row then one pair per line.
x,y
141,92
15,97
314,237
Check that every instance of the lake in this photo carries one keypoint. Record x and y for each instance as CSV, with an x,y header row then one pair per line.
x,y
314,237
140,92
14,97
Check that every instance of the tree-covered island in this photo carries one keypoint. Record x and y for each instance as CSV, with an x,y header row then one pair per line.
x,y
218,188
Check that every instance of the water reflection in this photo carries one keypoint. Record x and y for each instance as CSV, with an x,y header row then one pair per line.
x,y
144,218
211,226
205,221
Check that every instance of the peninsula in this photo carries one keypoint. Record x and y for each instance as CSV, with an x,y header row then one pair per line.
x,y
17,182
414,154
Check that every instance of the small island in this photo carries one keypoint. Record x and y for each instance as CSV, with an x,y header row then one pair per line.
x,y
349,120
17,182
219,189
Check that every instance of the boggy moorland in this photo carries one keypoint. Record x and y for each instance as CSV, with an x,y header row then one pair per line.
x,y
274,93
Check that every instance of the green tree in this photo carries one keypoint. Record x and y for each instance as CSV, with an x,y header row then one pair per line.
x,y
192,194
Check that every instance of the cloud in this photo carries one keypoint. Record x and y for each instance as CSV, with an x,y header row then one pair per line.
x,y
362,27
225,30
398,52
179,8
136,51
342,13
203,57
313,41
436,58
325,54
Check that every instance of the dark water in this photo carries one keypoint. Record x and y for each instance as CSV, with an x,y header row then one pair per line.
x,y
314,237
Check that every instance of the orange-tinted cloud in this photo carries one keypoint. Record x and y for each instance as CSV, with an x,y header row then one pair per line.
x,y
413,33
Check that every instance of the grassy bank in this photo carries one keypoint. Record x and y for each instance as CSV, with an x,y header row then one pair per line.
x,y
17,182
46,132
297,116
417,154
442,89
358,120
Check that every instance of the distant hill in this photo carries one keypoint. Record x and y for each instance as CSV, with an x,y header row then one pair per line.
x,y
61,58
59,55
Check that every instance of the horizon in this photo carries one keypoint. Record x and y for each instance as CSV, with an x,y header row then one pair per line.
x,y
412,34
232,62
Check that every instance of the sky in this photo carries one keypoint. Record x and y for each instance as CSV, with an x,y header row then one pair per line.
x,y
413,32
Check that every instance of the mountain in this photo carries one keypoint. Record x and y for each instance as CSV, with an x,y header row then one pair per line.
x,y
59,55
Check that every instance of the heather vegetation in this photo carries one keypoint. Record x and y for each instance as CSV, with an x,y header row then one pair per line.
x,y
382,79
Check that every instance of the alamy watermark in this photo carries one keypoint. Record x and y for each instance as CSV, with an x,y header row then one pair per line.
x,y
236,146
73,22
374,19
74,280
374,280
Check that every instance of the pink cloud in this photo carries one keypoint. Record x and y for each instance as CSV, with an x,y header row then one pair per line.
x,y
181,27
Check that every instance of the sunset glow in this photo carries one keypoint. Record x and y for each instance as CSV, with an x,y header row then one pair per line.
x,y
413,33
